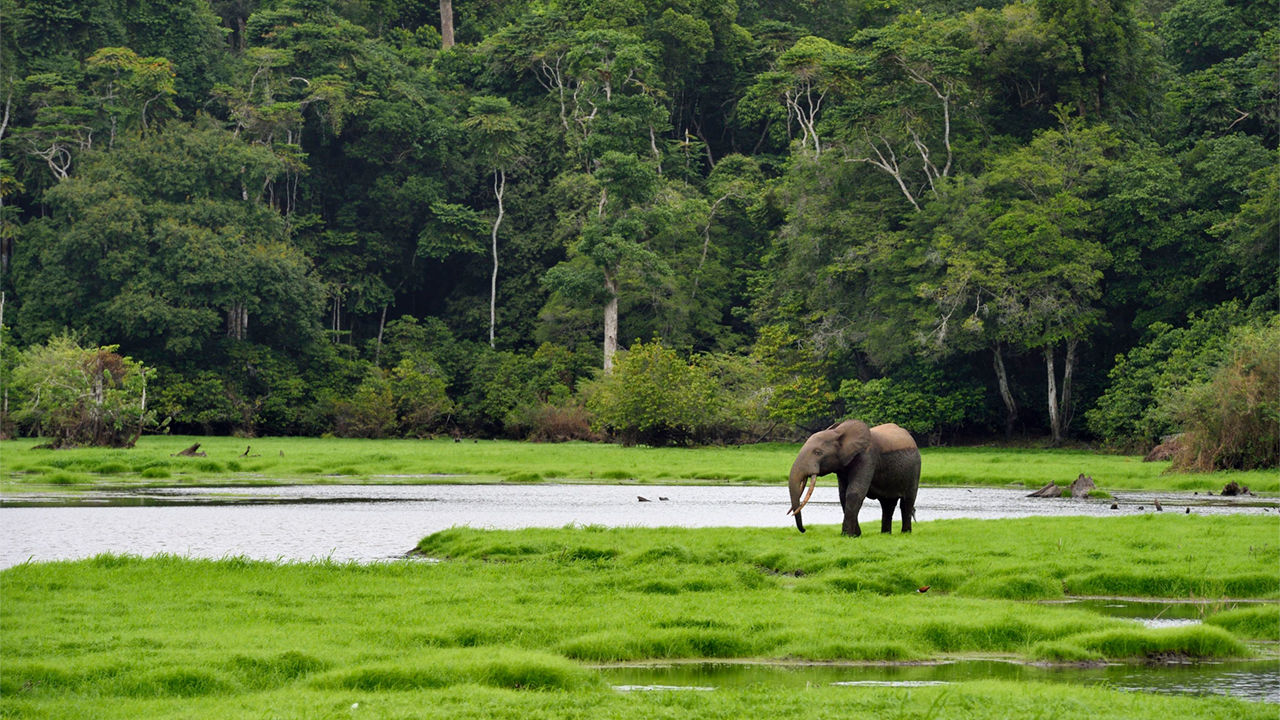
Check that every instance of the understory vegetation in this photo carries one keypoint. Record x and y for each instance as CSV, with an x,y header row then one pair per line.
x,y
510,620
645,221
266,461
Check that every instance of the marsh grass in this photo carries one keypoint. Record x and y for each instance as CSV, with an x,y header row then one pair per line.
x,y
311,460
983,700
509,623
1261,622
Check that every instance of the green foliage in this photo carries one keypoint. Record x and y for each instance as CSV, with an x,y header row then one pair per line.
x,y
1232,420
841,186
917,398
799,393
81,396
652,396
1138,406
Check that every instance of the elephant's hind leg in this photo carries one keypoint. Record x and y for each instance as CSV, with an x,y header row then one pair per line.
x,y
908,512
886,515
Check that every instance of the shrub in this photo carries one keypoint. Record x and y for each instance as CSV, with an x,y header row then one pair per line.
x,y
81,396
547,422
919,400
1134,412
421,402
652,396
369,413
1232,421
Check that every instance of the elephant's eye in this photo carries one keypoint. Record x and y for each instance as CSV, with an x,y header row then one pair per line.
x,y
817,451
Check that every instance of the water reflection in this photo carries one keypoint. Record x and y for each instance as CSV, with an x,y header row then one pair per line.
x,y
1256,681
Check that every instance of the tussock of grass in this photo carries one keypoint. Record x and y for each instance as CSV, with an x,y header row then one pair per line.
x,y
1261,622
62,477
1191,641
510,669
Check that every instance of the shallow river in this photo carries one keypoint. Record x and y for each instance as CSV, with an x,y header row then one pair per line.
x,y
375,522
381,522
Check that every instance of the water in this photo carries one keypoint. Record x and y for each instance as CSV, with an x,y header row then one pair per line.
x,y
1256,681
375,522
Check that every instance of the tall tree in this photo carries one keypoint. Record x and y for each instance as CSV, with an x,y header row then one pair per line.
x,y
495,133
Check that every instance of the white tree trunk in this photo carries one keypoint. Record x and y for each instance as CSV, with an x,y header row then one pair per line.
x,y
1055,422
499,188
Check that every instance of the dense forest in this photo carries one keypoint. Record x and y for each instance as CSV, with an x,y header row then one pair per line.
x,y
654,220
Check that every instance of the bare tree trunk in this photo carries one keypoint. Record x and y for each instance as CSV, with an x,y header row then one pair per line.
x,y
610,320
499,188
1055,422
237,321
446,24
1010,404
1068,364
382,324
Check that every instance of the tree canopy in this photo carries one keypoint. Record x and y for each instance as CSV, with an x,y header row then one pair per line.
x,y
320,216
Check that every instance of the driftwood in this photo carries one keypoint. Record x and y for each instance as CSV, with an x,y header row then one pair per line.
x,y
1050,490
1082,486
193,451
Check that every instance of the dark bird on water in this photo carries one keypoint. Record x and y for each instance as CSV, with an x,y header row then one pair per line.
x,y
641,498
1188,511
1159,507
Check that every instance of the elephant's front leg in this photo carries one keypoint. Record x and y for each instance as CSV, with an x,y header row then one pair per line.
x,y
851,500
886,515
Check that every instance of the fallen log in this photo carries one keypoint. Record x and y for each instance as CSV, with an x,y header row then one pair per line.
x,y
193,451
1050,490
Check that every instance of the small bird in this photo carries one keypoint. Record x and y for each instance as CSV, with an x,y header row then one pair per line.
x,y
1188,511
923,589
642,498
663,499
1115,506
1159,507
1140,507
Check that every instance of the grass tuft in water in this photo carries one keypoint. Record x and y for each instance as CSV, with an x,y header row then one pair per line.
x,y
1260,622
1186,642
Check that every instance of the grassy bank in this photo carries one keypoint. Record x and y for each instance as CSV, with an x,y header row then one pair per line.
x,y
321,460
970,701
510,612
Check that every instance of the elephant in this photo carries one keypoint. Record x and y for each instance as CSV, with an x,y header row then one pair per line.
x,y
881,463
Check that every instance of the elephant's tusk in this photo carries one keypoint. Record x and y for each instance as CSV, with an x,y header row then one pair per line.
x,y
813,483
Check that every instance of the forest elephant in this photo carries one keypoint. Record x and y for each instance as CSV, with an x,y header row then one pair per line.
x,y
881,463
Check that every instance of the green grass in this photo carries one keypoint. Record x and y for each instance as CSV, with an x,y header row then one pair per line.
x,y
988,700
511,620
310,460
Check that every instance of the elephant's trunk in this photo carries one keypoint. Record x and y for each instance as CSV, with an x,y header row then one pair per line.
x,y
797,484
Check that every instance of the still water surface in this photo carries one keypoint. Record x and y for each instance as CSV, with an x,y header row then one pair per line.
x,y
1256,681
374,522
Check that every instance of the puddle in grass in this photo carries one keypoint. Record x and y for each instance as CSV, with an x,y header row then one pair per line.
x,y
1254,681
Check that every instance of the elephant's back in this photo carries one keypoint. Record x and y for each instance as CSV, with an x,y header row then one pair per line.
x,y
892,438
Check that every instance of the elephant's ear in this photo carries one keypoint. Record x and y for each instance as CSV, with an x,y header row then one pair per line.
x,y
853,437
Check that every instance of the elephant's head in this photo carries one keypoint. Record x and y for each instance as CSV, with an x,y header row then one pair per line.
x,y
824,452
